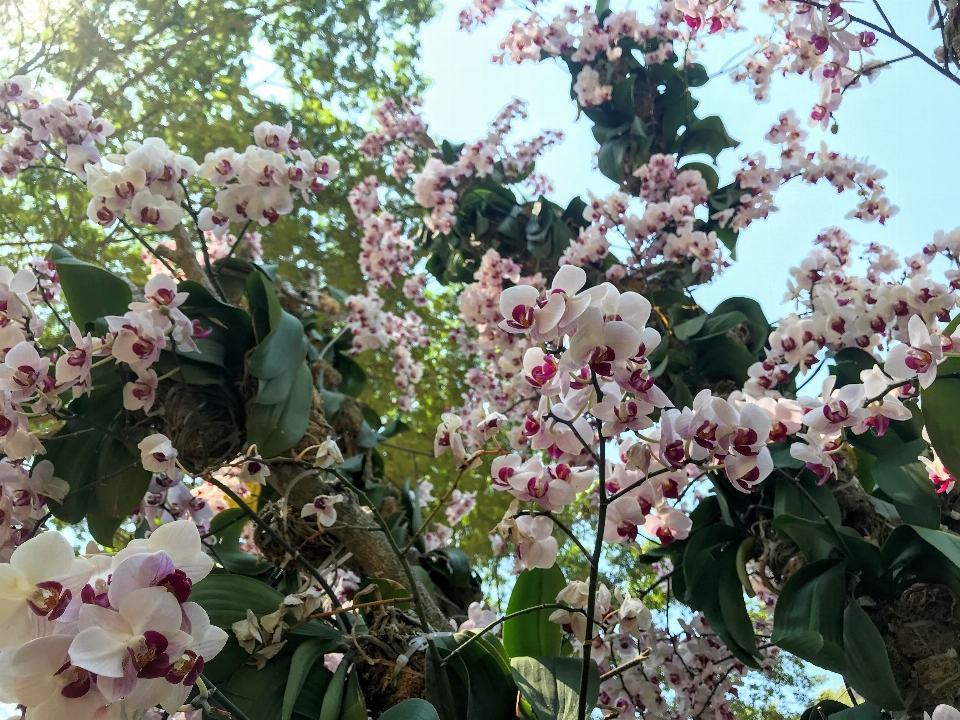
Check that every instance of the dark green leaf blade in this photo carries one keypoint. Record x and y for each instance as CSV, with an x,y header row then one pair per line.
x,y
533,634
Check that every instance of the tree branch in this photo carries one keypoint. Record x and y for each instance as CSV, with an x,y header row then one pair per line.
x,y
896,38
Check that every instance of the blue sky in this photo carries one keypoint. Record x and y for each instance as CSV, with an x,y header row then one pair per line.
x,y
904,123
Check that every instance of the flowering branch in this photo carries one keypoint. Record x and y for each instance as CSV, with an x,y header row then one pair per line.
x,y
620,669
582,709
893,35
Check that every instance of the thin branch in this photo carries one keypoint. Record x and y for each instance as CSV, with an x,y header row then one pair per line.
x,y
361,606
896,38
291,550
566,529
441,502
626,666
662,579
40,523
823,515
884,16
509,616
195,216
407,450
582,710
948,52
638,483
214,692
576,434
233,249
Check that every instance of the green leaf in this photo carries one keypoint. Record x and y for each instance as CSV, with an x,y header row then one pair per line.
x,y
75,450
817,541
439,690
90,292
412,709
939,404
622,98
732,605
822,710
533,634
706,135
332,403
867,665
450,151
354,378
721,358
703,551
121,484
227,527
486,675
696,75
333,699
905,481
226,598
276,428
721,596
552,685
849,363
679,111
259,693
310,698
304,658
353,707
689,328
789,500
863,711
394,427
610,157
755,319
409,498
282,344
720,324
449,565
230,327
809,617
947,544
367,438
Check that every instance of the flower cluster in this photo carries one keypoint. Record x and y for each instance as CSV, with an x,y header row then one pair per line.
x,y
395,123
88,636
759,182
819,42
144,184
439,185
586,361
33,379
374,328
590,40
260,182
691,666
664,232
30,126
145,188
882,310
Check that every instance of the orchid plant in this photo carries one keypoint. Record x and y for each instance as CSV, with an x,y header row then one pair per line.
x,y
252,558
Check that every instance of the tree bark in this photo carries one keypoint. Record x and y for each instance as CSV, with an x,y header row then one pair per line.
x,y
356,526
